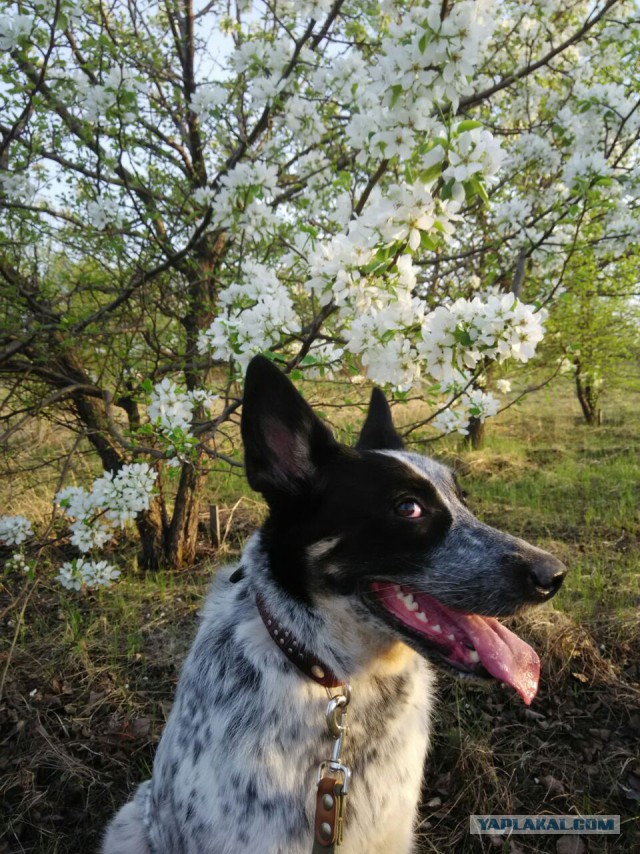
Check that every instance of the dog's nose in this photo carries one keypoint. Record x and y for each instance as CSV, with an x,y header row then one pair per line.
x,y
547,575
541,573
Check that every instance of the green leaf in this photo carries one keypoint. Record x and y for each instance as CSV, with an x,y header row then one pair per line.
x,y
433,172
475,187
396,91
462,337
468,124
428,241
447,188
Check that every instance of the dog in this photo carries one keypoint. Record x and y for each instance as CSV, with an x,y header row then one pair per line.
x,y
370,570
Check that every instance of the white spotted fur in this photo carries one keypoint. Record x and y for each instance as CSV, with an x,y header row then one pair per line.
x,y
271,756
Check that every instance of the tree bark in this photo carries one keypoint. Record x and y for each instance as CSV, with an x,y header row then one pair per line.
x,y
153,538
475,437
587,397
182,536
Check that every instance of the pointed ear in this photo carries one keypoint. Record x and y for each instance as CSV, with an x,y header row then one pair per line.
x,y
378,432
284,442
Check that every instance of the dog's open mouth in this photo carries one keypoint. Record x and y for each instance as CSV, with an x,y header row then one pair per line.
x,y
471,644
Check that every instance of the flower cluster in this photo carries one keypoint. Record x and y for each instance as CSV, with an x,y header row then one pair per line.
x,y
457,337
171,408
75,574
423,59
119,88
17,561
241,201
113,501
474,403
103,212
12,29
476,153
256,312
14,530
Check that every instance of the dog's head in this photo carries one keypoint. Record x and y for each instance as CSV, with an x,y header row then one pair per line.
x,y
391,530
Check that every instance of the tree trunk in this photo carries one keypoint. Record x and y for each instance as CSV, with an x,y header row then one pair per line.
x,y
475,437
587,397
182,536
153,538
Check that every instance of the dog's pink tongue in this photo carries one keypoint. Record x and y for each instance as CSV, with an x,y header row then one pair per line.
x,y
504,654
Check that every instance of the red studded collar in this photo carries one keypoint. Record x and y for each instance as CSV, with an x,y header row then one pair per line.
x,y
305,661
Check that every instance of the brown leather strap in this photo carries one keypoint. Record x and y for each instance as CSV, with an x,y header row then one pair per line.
x,y
325,826
295,651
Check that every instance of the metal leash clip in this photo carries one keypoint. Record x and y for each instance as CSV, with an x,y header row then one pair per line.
x,y
333,780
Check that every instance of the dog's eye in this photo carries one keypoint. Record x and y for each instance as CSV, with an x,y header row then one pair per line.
x,y
408,509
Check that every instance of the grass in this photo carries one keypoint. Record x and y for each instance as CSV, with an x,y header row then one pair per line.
x,y
87,681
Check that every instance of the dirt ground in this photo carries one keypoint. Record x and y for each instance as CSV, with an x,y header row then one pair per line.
x,y
78,727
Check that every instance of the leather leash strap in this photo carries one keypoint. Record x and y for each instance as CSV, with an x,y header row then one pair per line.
x,y
306,663
327,828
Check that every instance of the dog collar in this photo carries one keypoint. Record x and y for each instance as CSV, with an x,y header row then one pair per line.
x,y
306,663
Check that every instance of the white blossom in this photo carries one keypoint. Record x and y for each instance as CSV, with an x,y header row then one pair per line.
x,y
208,97
75,574
12,28
257,310
14,530
17,561
103,212
170,407
113,501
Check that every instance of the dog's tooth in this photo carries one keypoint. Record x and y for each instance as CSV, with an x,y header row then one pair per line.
x,y
422,617
410,603
399,593
437,628
451,636
473,655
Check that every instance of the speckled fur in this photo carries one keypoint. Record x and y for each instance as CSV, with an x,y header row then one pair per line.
x,y
235,770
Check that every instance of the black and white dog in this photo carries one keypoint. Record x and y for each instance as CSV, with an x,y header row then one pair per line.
x,y
370,568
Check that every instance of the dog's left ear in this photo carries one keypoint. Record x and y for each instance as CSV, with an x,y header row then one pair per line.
x,y
284,441
378,432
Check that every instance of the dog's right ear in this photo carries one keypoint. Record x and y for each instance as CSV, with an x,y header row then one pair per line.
x,y
378,432
284,442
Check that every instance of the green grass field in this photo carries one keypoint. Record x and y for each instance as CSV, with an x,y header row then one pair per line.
x,y
87,680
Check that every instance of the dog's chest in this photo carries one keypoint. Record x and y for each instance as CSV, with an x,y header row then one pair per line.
x,y
236,768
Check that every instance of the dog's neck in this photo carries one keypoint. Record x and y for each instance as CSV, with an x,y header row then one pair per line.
x,y
331,627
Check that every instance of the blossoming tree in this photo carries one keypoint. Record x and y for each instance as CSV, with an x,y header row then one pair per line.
x,y
390,190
